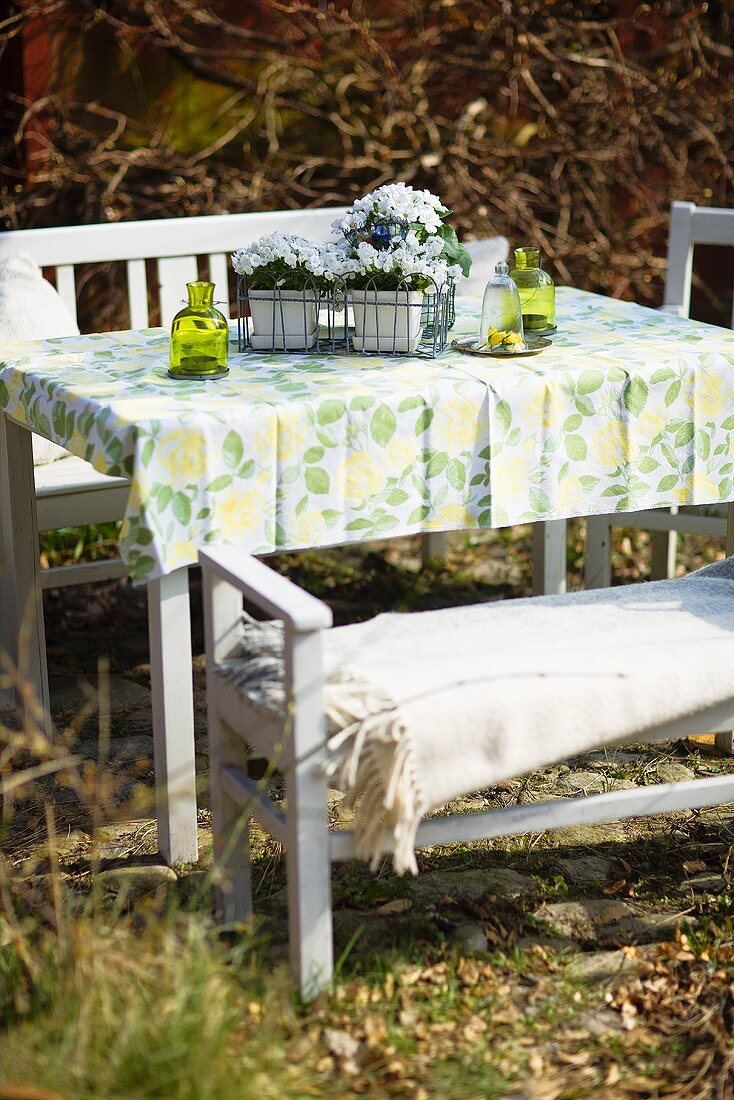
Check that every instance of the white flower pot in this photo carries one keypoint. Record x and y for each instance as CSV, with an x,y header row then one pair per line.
x,y
284,319
387,320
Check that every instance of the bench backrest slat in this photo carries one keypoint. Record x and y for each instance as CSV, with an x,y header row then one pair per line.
x,y
691,225
173,242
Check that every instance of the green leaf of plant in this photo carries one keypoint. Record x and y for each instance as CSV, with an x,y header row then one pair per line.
x,y
361,402
684,435
232,450
424,421
418,514
437,464
317,480
672,392
576,447
667,482
181,508
358,525
329,411
572,422
539,499
314,454
503,413
662,374
589,381
383,425
635,395
702,444
396,496
219,483
456,473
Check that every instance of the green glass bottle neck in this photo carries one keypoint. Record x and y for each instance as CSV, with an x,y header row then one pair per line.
x,y
526,258
201,295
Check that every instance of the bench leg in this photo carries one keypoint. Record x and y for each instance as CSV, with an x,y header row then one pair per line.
x,y
20,588
171,676
549,558
598,557
308,857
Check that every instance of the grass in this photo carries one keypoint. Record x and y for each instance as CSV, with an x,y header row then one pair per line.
x,y
136,994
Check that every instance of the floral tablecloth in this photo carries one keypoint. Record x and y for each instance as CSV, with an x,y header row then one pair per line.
x,y
630,408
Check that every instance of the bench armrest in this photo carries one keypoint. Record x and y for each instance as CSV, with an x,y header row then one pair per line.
x,y
275,595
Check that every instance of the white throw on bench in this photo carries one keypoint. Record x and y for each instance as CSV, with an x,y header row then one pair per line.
x,y
406,712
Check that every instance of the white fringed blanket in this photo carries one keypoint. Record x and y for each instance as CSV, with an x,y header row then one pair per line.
x,y
424,707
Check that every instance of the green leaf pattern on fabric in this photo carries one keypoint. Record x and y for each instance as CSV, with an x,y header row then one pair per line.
x,y
630,408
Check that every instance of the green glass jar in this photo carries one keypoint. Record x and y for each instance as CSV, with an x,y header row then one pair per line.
x,y
537,293
199,336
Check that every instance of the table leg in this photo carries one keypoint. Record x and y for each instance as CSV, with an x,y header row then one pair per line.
x,y
20,586
433,546
549,557
171,677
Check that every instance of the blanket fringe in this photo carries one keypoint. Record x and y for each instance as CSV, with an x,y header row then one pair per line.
x,y
370,753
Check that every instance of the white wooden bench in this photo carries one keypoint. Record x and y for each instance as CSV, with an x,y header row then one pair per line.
x,y
69,492
292,734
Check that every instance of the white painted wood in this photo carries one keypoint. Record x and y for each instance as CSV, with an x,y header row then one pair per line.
x,y
88,572
66,286
21,588
246,793
219,275
597,559
680,258
724,740
171,673
549,557
162,237
307,823
276,595
310,847
173,275
433,547
689,225
258,727
664,547
137,293
222,611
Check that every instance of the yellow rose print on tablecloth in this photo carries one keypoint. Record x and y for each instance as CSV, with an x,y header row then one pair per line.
x,y
183,454
452,515
179,553
239,512
457,423
609,445
292,433
569,494
400,454
514,468
309,529
361,477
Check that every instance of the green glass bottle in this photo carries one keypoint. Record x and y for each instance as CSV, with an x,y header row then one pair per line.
x,y
537,293
199,336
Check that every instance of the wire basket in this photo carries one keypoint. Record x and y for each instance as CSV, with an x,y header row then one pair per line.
x,y
344,320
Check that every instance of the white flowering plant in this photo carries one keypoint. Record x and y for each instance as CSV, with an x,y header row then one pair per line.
x,y
406,264
398,215
288,261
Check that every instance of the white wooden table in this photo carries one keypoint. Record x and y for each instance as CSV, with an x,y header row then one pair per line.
x,y
630,408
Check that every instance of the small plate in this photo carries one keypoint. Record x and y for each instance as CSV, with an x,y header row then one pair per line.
x,y
470,347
